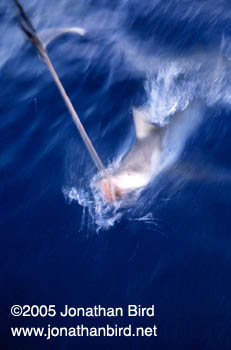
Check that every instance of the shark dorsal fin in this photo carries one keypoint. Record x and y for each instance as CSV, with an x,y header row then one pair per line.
x,y
142,126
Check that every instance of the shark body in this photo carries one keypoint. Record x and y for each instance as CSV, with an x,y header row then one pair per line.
x,y
155,148
140,164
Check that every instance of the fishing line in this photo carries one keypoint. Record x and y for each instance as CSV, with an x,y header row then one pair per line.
x,y
28,28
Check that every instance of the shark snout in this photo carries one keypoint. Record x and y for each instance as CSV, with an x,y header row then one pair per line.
x,y
110,190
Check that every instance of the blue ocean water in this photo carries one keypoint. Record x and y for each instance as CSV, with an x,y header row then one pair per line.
x,y
59,243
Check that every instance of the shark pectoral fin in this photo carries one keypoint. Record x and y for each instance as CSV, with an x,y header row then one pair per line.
x,y
142,126
48,35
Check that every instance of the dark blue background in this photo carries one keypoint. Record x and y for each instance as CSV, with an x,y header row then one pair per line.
x,y
181,262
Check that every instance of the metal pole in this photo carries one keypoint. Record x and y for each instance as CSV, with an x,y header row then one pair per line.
x,y
30,31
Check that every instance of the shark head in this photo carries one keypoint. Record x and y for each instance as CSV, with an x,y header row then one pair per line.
x,y
138,166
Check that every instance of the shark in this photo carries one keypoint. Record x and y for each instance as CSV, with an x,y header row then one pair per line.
x,y
144,159
140,164
154,149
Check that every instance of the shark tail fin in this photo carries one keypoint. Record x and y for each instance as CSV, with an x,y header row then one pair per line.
x,y
45,37
48,35
142,126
